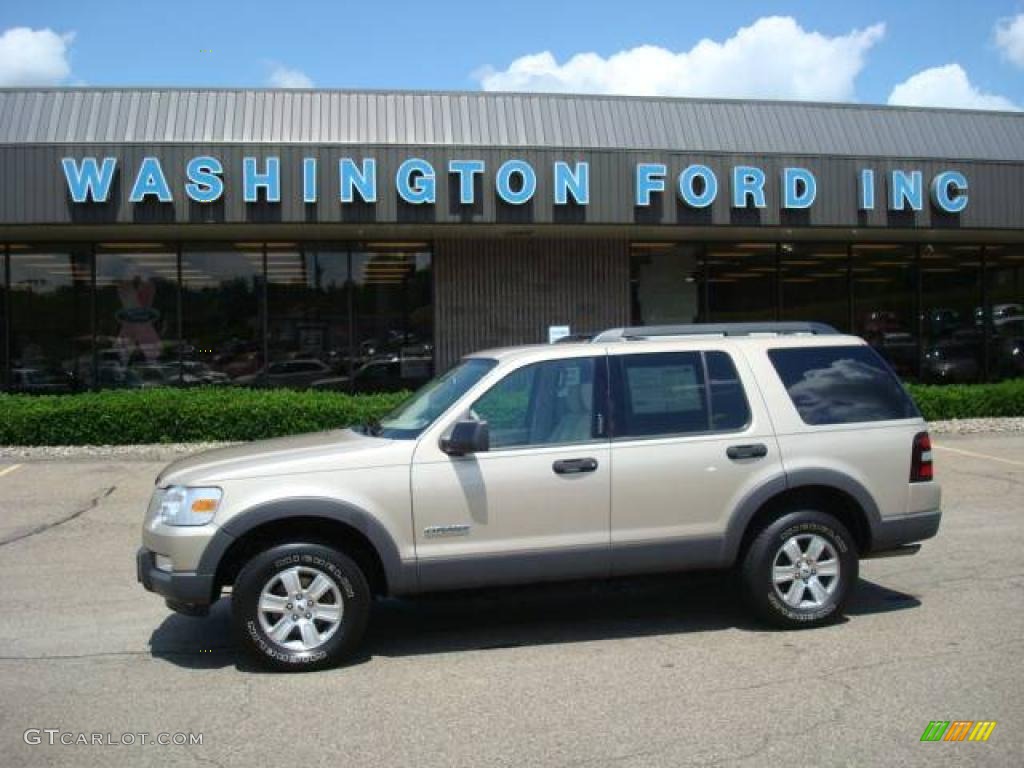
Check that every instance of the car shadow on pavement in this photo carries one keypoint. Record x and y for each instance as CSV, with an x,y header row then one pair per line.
x,y
493,619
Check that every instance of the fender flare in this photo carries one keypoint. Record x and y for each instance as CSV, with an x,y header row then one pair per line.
x,y
400,576
801,478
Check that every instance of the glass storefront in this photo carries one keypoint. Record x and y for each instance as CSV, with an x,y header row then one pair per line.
x,y
346,317
1004,323
940,314
222,315
883,284
814,283
137,327
743,282
49,292
665,283
139,315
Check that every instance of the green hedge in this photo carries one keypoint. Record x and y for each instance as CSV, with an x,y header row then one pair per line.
x,y
192,415
180,415
969,401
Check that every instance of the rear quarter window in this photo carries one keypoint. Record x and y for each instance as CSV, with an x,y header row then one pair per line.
x,y
841,385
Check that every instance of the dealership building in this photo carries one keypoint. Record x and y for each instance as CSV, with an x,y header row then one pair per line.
x,y
357,240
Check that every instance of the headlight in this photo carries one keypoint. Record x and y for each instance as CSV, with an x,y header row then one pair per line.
x,y
189,506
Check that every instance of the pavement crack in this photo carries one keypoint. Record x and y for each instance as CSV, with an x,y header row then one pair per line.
x,y
156,653
93,503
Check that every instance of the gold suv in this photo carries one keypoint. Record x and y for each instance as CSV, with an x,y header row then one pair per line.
x,y
785,450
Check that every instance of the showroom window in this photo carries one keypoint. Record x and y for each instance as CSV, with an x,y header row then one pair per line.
x,y
884,290
393,317
951,308
308,340
814,283
222,321
137,328
49,296
665,283
1005,324
742,282
4,337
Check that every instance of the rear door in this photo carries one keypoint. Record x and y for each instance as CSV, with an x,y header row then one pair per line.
x,y
691,438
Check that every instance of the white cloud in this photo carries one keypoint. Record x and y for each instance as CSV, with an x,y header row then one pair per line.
x,y
1010,38
286,77
772,58
34,56
946,86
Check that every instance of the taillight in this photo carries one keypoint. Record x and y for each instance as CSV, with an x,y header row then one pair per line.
x,y
921,461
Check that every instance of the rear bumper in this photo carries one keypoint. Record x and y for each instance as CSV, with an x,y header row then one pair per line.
x,y
187,592
893,532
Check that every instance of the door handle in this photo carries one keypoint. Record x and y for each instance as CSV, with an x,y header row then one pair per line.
x,y
753,451
574,466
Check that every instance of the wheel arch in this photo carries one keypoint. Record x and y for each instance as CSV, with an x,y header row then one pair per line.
x,y
326,521
825,490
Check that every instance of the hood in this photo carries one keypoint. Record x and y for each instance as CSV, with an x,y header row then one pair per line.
x,y
316,452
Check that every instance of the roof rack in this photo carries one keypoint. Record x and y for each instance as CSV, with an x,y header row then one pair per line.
x,y
641,332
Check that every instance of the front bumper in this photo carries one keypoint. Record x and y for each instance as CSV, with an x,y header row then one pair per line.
x,y
185,592
894,532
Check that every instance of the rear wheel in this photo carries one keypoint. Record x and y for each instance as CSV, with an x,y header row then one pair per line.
x,y
300,607
799,570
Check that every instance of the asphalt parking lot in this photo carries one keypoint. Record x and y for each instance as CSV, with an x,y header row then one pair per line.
x,y
662,671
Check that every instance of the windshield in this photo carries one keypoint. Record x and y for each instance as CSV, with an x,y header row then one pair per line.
x,y
435,397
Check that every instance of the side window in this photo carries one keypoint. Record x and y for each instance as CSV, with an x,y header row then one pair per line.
x,y
659,394
547,403
729,407
841,385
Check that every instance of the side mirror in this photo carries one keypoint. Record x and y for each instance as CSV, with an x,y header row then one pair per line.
x,y
467,436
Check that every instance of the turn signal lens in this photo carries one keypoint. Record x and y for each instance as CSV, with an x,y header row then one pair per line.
x,y
189,506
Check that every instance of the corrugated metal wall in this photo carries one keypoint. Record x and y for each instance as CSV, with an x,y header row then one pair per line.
x,y
195,116
498,292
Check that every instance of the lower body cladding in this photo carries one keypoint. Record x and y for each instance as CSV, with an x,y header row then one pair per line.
x,y
185,592
193,592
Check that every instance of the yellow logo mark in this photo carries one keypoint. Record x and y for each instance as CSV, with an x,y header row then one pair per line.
x,y
982,730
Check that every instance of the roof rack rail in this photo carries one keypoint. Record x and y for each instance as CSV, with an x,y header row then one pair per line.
x,y
641,332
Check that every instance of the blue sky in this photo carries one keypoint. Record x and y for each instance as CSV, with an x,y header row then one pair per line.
x,y
970,53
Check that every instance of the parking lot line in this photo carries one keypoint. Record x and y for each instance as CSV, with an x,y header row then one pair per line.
x,y
8,470
981,455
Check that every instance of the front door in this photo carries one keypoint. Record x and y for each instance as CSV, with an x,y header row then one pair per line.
x,y
536,505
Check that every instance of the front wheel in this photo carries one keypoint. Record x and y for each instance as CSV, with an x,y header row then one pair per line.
x,y
300,607
799,570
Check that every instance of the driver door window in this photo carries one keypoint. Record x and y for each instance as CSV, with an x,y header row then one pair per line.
x,y
549,403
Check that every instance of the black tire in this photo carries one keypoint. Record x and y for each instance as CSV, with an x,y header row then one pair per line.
x,y
769,601
353,593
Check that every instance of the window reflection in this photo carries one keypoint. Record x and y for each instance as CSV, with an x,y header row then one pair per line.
x,y
136,318
884,300
664,283
308,328
1005,276
393,320
51,341
741,282
221,322
814,284
3,318
950,301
